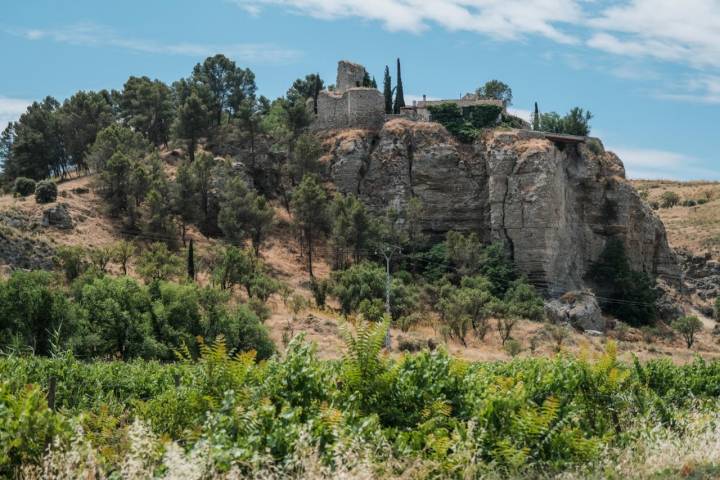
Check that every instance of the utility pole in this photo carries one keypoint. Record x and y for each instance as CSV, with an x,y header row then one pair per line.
x,y
388,251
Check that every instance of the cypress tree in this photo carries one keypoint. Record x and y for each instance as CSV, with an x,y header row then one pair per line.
x,y
373,84
536,118
387,91
399,95
191,261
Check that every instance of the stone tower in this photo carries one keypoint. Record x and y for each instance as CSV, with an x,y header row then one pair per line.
x,y
349,75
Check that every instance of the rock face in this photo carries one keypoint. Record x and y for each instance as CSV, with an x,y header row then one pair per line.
x,y
58,217
553,205
579,309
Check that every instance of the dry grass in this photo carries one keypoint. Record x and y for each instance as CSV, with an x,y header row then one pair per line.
x,y
694,228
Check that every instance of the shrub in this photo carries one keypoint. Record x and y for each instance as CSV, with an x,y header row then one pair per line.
x,y
363,281
716,309
71,260
669,199
250,334
46,192
688,327
465,123
319,289
24,186
689,202
512,347
633,293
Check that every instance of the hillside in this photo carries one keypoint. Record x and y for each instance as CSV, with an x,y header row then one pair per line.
x,y
94,228
695,228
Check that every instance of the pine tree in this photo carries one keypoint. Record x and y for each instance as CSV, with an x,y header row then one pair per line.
x,y
191,261
536,118
373,84
387,91
399,95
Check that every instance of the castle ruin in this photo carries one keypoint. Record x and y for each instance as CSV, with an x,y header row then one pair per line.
x,y
351,105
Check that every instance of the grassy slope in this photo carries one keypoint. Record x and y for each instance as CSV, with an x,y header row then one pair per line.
x,y
281,253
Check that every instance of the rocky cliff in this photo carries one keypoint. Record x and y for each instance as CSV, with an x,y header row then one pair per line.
x,y
554,205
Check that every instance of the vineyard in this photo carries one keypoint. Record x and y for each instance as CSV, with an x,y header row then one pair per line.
x,y
216,414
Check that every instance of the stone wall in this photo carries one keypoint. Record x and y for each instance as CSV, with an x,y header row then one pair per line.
x,y
355,108
349,75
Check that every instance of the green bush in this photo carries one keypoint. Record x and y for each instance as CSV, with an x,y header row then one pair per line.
x,y
465,123
24,186
688,327
46,191
669,199
632,293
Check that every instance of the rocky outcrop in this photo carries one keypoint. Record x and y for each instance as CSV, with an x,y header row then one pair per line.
x,y
579,309
58,217
553,205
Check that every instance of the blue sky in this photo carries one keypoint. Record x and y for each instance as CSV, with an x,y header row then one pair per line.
x,y
649,70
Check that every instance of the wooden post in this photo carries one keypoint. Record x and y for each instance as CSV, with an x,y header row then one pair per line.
x,y
51,393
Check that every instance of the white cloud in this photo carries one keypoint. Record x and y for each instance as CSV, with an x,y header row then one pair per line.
x,y
699,89
93,35
500,19
684,31
660,164
11,109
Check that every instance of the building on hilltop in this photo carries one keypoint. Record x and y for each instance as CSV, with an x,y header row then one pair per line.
x,y
419,111
350,105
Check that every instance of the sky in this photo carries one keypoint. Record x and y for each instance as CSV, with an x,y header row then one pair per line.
x,y
648,70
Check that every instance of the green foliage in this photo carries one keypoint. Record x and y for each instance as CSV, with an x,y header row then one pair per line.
x,y
399,92
352,229
469,306
669,199
688,327
634,292
716,309
363,281
465,123
193,121
157,263
497,90
71,260
24,186
309,209
575,122
148,107
32,311
244,214
388,91
307,88
46,191
27,426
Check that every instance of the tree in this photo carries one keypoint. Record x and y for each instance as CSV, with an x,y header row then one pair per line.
x,y
147,106
233,266
309,207
497,90
688,327
117,311
37,145
399,93
191,261
309,87
202,172
245,214
388,91
100,257
157,263
193,121
467,307
536,118
351,231
363,281
716,309
633,293
123,251
71,259
306,158
229,85
115,139
413,213
32,310
81,118
575,122
185,198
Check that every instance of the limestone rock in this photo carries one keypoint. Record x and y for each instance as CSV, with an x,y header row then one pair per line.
x,y
555,206
57,216
580,309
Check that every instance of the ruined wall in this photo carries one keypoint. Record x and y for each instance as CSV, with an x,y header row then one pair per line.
x,y
356,108
349,75
366,108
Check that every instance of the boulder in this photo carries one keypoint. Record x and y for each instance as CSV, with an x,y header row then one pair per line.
x,y
58,216
580,309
